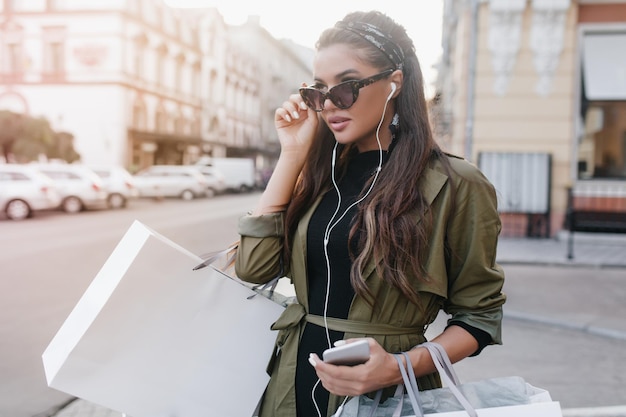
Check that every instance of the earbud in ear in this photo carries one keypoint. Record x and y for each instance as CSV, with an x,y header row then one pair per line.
x,y
393,90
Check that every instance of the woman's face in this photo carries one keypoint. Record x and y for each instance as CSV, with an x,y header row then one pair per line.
x,y
356,125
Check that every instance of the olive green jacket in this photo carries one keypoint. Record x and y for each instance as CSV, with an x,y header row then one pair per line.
x,y
465,280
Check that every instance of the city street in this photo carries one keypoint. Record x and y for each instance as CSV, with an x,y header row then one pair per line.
x,y
48,262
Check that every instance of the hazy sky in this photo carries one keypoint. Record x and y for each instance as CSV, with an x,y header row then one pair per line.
x,y
302,22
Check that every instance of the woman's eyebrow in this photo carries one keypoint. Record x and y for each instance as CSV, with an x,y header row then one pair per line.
x,y
341,75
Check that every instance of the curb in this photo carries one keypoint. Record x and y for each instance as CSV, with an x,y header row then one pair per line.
x,y
615,411
561,263
593,330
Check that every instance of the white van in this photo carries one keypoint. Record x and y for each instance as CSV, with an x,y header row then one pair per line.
x,y
239,173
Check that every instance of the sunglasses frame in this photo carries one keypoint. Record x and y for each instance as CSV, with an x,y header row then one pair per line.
x,y
355,85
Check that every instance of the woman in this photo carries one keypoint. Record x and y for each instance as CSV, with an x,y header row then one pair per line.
x,y
377,228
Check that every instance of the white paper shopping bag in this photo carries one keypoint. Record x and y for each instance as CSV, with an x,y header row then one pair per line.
x,y
151,337
542,409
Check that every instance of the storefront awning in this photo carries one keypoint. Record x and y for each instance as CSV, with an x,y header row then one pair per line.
x,y
604,65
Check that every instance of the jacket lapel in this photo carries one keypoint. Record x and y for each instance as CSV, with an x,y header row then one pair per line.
x,y
432,183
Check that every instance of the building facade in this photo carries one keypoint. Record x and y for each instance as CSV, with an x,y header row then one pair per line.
x,y
139,83
281,69
534,92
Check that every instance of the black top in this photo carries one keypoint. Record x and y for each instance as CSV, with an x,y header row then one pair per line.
x,y
340,293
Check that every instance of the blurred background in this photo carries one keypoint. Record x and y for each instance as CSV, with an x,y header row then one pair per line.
x,y
115,110
533,92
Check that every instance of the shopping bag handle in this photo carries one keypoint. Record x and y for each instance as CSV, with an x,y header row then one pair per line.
x,y
410,384
409,381
448,375
214,256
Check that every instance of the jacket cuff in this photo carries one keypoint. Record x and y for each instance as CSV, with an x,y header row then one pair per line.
x,y
265,225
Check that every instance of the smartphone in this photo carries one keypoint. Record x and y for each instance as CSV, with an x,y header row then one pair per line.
x,y
349,354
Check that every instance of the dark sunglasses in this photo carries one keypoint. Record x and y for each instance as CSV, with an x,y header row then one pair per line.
x,y
343,95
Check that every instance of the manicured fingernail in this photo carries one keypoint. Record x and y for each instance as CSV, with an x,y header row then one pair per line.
x,y
288,118
296,115
303,106
340,343
312,361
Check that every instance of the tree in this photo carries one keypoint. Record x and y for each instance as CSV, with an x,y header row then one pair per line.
x,y
11,128
24,139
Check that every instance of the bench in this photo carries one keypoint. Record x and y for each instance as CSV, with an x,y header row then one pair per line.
x,y
594,212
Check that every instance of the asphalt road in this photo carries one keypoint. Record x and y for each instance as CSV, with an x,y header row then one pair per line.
x,y
47,262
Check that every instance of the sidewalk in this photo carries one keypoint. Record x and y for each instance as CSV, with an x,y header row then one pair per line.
x,y
595,251
592,251
589,249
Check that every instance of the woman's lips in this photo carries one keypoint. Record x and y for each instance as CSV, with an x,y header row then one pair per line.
x,y
338,123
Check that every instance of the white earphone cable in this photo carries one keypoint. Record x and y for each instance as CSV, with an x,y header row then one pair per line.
x,y
332,223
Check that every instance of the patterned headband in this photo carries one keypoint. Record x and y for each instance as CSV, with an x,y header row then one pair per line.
x,y
376,37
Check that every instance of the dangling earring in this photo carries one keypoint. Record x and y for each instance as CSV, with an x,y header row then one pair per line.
x,y
394,127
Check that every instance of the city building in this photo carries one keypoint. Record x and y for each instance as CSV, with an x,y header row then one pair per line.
x,y
534,93
282,67
140,83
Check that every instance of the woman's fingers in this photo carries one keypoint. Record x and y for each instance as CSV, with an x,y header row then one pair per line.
x,y
291,109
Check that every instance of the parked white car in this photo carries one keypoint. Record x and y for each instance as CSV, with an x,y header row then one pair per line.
x,y
118,183
80,187
24,190
171,181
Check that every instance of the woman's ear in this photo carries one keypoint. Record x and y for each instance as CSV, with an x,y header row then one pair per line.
x,y
396,78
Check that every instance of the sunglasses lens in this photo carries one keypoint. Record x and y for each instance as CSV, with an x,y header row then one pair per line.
x,y
342,96
312,98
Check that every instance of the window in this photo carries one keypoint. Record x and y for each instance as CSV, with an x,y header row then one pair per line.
x,y
604,66
160,120
29,6
140,54
12,61
54,53
602,139
14,57
179,73
87,5
161,63
54,59
139,115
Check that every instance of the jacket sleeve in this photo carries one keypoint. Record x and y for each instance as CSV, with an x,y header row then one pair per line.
x,y
475,280
258,258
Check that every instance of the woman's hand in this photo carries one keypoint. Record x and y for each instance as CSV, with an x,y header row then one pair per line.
x,y
381,370
295,125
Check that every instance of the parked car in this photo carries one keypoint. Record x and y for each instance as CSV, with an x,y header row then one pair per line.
x,y
80,187
216,184
24,190
118,183
171,181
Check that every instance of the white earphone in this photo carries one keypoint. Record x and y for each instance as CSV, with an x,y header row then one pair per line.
x,y
393,90
334,221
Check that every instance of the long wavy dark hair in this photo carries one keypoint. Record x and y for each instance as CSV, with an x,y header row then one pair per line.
x,y
385,225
